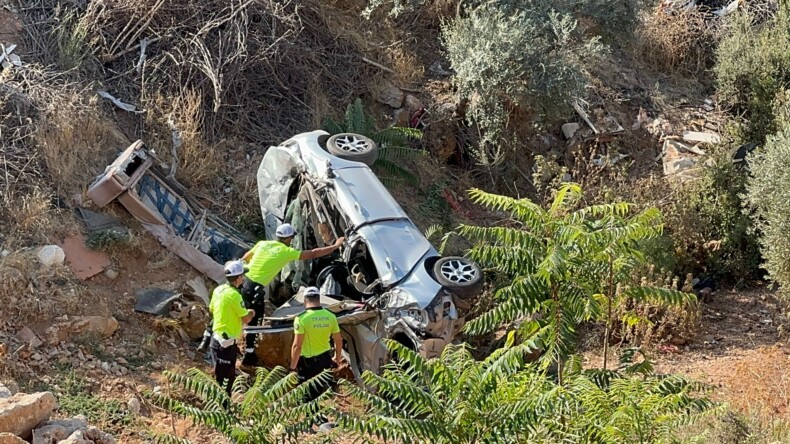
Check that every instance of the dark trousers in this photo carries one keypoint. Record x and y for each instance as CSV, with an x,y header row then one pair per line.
x,y
224,360
254,296
308,368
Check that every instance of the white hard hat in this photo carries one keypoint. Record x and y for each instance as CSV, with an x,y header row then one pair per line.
x,y
285,230
311,292
235,268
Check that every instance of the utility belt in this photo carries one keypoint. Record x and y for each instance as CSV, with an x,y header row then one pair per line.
x,y
224,342
316,358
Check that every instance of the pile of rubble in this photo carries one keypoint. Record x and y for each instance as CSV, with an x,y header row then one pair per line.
x,y
25,417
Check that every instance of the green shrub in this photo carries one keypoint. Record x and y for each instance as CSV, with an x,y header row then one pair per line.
x,y
107,239
568,263
527,55
768,188
753,67
710,232
75,398
456,399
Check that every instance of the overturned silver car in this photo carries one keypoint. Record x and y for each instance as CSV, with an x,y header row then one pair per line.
x,y
323,186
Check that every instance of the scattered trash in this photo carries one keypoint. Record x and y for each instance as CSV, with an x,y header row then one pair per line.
x,y
740,153
122,105
7,58
729,9
436,68
155,300
601,160
51,255
198,286
569,129
641,119
98,222
676,160
669,348
143,45
601,122
85,262
696,136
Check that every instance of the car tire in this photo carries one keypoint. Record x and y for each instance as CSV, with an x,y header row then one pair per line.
x,y
459,275
356,147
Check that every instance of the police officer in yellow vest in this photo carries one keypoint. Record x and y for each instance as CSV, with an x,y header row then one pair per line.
x,y
311,353
265,261
227,308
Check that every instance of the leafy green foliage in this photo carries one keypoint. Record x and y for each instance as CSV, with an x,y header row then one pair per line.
x,y
517,54
768,188
710,232
455,399
272,408
567,263
753,67
392,141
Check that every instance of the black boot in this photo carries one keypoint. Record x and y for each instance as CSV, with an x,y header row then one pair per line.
x,y
249,359
204,343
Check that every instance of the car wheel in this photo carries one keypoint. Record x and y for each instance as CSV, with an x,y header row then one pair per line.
x,y
459,275
354,147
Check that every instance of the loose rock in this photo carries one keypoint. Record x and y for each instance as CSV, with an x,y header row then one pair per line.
x,y
389,94
29,337
401,117
21,412
51,255
56,431
133,405
111,273
412,103
10,438
79,326
5,392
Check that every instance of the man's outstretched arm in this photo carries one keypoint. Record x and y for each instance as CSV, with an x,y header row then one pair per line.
x,y
321,252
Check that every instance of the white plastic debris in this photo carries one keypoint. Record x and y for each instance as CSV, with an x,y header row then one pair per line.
x,y
7,58
118,103
696,136
50,255
729,9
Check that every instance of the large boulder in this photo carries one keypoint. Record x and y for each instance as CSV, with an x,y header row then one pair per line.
x,y
21,412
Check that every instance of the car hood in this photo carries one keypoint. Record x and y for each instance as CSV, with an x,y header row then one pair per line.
x,y
396,248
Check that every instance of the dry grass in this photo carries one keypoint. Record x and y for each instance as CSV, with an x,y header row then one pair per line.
x,y
198,163
76,142
409,72
678,41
